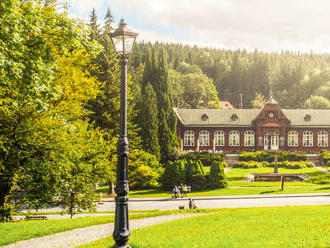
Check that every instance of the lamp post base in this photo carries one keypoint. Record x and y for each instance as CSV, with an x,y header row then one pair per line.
x,y
122,246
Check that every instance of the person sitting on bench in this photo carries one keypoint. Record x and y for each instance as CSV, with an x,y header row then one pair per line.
x,y
192,204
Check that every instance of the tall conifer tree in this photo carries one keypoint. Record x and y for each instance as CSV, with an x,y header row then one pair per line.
x,y
149,121
95,27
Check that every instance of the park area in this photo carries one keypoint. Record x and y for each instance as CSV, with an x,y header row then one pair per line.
x,y
294,226
225,222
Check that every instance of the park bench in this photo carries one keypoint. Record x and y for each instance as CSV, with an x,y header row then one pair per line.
x,y
36,217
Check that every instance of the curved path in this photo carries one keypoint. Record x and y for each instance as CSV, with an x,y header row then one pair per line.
x,y
89,234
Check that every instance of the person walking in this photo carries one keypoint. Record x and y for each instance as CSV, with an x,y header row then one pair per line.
x,y
176,191
181,190
185,190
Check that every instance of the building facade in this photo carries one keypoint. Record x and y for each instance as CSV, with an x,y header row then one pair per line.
x,y
270,128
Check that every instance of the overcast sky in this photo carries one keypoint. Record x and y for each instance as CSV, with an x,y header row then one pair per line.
x,y
268,25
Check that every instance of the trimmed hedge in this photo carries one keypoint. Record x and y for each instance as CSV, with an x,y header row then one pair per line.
x,y
260,156
217,179
249,164
284,164
191,172
205,157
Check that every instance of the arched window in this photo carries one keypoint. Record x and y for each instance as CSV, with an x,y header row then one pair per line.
x,y
204,117
234,117
233,138
307,138
249,138
189,138
219,138
292,138
204,138
322,139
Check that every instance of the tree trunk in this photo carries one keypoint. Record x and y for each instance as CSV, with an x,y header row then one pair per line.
x,y
111,187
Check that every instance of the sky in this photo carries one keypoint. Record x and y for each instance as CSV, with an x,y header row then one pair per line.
x,y
268,25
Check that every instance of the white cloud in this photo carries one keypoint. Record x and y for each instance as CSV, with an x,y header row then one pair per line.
x,y
263,24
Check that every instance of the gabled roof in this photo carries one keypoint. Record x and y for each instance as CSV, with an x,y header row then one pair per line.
x,y
224,117
319,117
216,117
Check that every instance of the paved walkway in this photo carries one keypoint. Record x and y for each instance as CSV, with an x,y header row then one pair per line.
x,y
323,169
85,235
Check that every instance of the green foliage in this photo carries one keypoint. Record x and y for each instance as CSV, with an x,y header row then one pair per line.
x,y
317,102
148,120
295,77
144,170
190,172
48,151
205,157
217,177
259,101
322,179
283,164
249,164
173,175
261,156
325,157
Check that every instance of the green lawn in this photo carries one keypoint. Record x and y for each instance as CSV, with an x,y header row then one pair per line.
x,y
236,191
298,226
239,187
21,230
235,176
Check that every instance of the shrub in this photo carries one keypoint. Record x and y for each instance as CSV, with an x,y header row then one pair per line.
x,y
205,157
192,168
198,182
293,164
325,157
6,212
249,164
270,156
322,179
217,178
284,164
144,170
171,175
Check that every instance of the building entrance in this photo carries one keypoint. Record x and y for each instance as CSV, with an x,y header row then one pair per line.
x,y
271,142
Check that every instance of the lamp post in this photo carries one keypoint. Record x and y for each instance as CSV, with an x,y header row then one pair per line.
x,y
123,40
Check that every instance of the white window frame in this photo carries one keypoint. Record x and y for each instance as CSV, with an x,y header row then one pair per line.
x,y
249,138
307,139
219,138
322,139
234,138
293,138
189,138
204,138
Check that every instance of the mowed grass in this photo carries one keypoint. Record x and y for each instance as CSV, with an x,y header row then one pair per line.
x,y
11,232
236,185
236,191
298,226
235,176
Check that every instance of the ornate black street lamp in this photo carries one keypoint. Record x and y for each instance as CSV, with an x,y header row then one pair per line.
x,y
123,40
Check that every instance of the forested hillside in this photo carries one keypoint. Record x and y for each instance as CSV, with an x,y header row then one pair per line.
x,y
295,77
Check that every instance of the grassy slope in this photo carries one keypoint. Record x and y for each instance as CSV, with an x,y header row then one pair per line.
x,y
298,226
21,230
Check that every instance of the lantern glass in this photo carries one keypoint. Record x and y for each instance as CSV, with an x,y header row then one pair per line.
x,y
123,39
